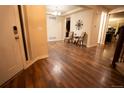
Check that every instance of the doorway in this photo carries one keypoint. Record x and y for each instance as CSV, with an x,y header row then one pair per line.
x,y
116,20
67,26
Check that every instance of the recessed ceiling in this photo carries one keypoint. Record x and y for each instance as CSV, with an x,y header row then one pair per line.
x,y
65,9
62,8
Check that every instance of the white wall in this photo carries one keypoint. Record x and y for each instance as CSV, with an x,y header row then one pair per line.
x,y
86,17
36,33
54,28
91,23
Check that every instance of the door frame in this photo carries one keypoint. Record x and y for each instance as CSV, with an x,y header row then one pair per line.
x,y
23,32
103,27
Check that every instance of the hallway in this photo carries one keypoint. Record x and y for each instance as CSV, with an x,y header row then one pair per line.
x,y
71,66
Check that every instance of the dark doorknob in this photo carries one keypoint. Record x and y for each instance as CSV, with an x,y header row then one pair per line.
x,y
15,30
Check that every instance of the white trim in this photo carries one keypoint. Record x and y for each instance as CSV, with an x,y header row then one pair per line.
x,y
25,32
117,10
55,40
102,28
88,46
33,61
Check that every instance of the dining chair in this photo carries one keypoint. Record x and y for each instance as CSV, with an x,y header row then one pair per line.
x,y
69,39
81,39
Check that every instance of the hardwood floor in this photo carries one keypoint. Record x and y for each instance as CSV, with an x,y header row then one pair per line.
x,y
71,66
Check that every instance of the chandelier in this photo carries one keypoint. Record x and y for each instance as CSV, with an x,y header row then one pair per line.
x,y
56,12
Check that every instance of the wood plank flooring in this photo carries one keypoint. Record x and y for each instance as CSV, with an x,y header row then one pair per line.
x,y
71,66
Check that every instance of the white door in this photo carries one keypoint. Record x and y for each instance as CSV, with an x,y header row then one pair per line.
x,y
10,54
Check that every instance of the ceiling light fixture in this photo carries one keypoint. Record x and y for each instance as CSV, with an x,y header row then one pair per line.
x,y
56,12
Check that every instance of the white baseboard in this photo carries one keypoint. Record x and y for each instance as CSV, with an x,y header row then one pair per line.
x,y
55,40
88,46
29,63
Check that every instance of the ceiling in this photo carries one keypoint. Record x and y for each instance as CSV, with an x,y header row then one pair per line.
x,y
111,7
63,8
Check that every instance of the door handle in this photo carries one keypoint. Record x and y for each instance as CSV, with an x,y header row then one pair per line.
x,y
15,30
